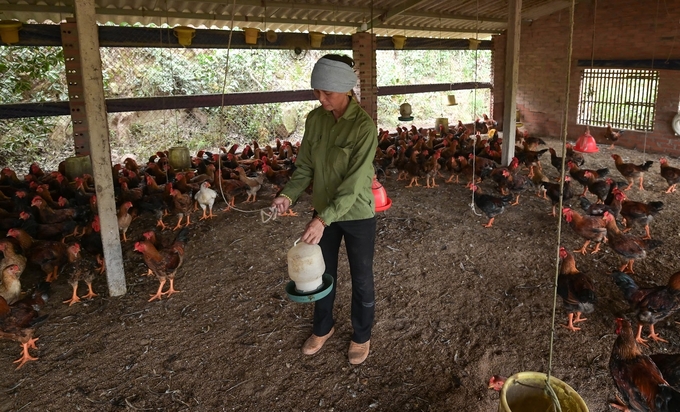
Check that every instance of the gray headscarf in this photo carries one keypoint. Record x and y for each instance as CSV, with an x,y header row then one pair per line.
x,y
333,76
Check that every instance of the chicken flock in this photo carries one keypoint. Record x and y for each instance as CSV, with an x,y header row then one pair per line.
x,y
61,237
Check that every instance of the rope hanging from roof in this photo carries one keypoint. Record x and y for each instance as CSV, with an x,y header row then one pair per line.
x,y
565,123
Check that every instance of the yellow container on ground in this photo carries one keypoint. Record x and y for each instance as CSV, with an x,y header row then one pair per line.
x,y
526,392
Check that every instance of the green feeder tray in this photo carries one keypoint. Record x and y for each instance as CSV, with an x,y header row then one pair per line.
x,y
320,293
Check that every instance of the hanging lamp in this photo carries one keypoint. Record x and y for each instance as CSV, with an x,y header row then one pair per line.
x,y
586,143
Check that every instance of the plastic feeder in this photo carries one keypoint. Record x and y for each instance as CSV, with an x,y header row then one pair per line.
x,y
398,41
586,143
382,202
251,35
9,31
184,35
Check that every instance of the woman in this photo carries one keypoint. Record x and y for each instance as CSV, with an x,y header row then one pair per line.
x,y
336,154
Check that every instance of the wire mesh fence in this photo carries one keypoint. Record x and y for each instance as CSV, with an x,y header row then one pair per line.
x,y
36,74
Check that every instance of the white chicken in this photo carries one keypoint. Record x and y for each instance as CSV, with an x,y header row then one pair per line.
x,y
205,198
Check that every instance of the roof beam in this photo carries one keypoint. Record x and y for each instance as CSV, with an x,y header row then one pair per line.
x,y
262,19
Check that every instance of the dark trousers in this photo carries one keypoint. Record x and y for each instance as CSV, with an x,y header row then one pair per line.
x,y
360,244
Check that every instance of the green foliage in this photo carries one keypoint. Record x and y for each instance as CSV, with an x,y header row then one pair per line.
x,y
37,74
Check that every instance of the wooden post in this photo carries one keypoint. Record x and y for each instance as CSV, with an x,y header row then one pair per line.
x,y
95,108
511,75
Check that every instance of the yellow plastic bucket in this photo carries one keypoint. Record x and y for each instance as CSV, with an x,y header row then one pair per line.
x,y
398,41
315,38
9,31
526,392
251,35
184,35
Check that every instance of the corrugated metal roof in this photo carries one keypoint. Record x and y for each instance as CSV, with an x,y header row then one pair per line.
x,y
412,18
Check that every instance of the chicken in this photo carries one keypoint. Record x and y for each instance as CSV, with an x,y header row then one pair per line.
x,y
10,255
48,215
652,304
496,382
599,188
576,290
431,169
669,365
671,174
205,197
80,268
585,176
492,206
276,178
129,195
552,190
629,246
637,378
639,213
164,264
630,170
91,242
182,203
230,188
124,219
413,169
612,135
50,255
591,228
517,183
254,184
51,231
18,322
538,178
10,285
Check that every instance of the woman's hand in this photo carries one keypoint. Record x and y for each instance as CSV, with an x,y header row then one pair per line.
x,y
281,204
313,232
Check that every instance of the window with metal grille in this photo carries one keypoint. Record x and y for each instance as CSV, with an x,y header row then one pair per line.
x,y
623,98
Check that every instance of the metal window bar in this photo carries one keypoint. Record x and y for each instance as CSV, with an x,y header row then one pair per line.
x,y
623,98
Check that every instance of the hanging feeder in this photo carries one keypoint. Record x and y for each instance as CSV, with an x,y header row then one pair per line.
x,y
405,111
382,202
77,166
474,43
526,392
586,143
452,100
184,35
315,38
398,41
306,269
179,157
251,35
9,31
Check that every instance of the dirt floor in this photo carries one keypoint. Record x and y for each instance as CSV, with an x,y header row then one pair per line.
x,y
456,303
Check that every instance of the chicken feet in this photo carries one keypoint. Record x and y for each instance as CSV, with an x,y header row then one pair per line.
x,y
578,319
652,335
25,356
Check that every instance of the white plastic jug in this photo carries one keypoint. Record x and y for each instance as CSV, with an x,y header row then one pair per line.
x,y
306,266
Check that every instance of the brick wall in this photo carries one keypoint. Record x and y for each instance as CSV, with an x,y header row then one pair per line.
x,y
624,29
364,45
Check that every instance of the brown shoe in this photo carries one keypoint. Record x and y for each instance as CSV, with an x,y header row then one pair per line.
x,y
358,352
314,343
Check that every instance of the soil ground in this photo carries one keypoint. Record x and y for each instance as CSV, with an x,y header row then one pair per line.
x,y
456,303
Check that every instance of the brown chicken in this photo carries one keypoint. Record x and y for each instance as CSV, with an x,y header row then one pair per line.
x,y
629,246
639,213
576,290
50,255
612,135
79,268
652,304
413,169
276,178
630,170
669,365
671,174
637,378
552,190
254,184
48,215
591,228
431,169
10,285
585,176
124,219
183,204
164,263
18,321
